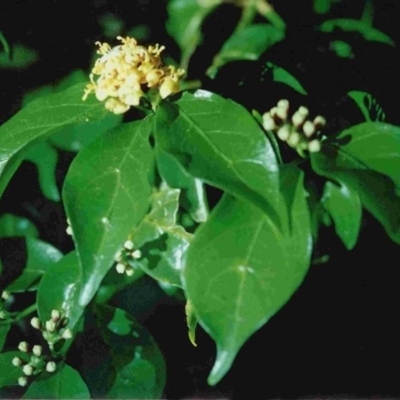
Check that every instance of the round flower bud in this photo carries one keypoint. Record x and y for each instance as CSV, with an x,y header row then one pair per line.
x,y
69,230
16,361
120,267
298,119
23,346
319,122
282,113
55,315
303,111
51,366
27,369
67,334
50,325
284,132
314,146
22,381
2,314
293,139
136,254
129,271
37,350
5,295
128,245
283,103
308,128
268,122
168,86
35,322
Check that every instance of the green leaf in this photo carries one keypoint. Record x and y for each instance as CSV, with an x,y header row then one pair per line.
x,y
9,373
218,141
344,206
45,158
193,197
162,242
20,57
41,256
368,105
60,288
5,44
64,384
246,44
322,6
241,270
184,23
138,362
3,334
341,49
366,158
38,120
106,193
353,25
191,322
13,226
280,74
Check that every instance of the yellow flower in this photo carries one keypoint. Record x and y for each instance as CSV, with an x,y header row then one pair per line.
x,y
123,74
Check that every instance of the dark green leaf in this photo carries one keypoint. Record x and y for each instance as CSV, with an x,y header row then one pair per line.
x,y
193,197
9,373
38,120
13,226
354,25
219,142
368,105
322,6
162,242
60,288
41,256
139,364
241,270
106,193
344,206
64,384
3,334
20,57
366,158
45,158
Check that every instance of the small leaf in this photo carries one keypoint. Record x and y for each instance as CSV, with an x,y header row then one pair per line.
x,y
368,105
341,49
344,206
193,197
45,158
353,25
64,384
322,6
14,226
162,242
10,373
3,334
41,256
20,57
191,322
38,120
219,142
60,288
106,193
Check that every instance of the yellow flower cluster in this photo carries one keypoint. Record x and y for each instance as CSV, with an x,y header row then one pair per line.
x,y
126,71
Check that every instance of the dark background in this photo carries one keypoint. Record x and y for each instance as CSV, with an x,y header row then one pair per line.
x,y
339,333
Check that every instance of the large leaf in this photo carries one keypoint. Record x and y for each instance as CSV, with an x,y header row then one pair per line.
x,y
10,373
218,141
3,334
64,384
20,57
38,120
136,358
344,206
163,243
106,193
368,105
366,157
41,256
241,270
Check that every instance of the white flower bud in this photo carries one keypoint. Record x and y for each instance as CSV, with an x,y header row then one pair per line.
x,y
2,314
51,366
5,295
37,350
294,139
314,146
283,103
69,230
27,369
308,128
16,361
35,322
319,122
136,254
128,245
129,271
67,334
22,381
273,111
23,346
268,122
298,119
284,132
303,111
50,325
282,113
55,315
120,267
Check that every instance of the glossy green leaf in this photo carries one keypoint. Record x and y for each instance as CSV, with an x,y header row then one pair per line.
x,y
41,256
9,373
138,362
281,75
64,384
45,158
366,158
3,334
344,206
60,288
218,141
193,197
38,120
106,193
14,226
184,23
20,57
241,270
354,25
368,105
163,243
246,44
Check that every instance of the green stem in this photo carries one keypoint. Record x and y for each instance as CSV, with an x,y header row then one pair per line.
x,y
20,315
368,13
5,44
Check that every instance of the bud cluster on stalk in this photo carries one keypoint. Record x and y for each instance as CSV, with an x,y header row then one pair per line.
x,y
126,254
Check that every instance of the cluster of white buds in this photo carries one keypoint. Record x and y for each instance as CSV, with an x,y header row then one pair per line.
x,y
123,257
37,362
297,131
54,329
4,297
